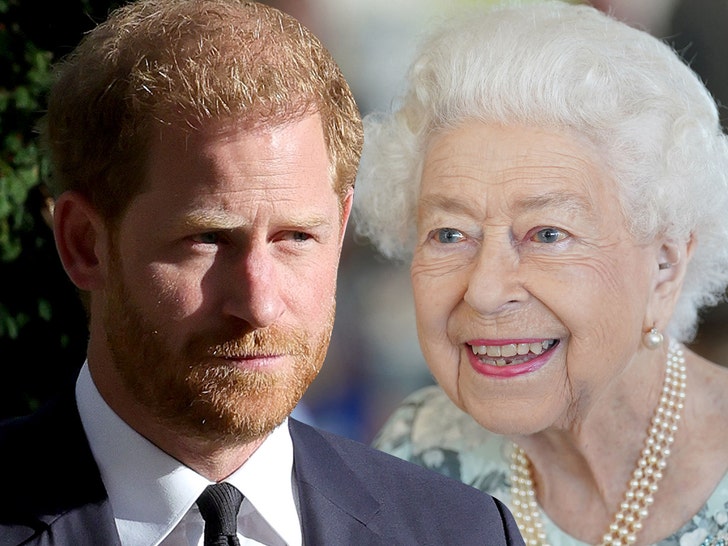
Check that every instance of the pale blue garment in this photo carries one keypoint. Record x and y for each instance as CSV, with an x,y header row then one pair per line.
x,y
429,430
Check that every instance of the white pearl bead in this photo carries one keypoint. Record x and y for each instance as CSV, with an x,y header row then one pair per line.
x,y
652,339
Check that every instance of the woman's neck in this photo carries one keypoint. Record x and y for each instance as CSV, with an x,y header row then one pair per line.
x,y
582,470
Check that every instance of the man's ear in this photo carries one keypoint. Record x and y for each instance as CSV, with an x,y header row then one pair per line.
x,y
80,237
346,205
671,266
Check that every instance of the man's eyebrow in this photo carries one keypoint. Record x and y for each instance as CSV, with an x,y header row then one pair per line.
x,y
211,220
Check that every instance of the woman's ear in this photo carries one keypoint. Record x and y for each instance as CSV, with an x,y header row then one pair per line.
x,y
672,264
80,235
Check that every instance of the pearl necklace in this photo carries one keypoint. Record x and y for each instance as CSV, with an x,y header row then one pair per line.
x,y
647,474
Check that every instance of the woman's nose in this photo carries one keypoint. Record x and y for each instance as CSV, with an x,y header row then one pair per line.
x,y
494,283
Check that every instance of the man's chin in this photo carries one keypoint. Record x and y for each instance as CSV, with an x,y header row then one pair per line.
x,y
224,433
228,411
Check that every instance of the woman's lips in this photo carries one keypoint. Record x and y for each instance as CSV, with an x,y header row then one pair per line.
x,y
511,353
507,359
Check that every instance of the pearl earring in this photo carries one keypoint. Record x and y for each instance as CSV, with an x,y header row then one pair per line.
x,y
652,339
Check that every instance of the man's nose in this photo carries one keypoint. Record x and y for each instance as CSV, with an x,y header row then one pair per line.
x,y
256,288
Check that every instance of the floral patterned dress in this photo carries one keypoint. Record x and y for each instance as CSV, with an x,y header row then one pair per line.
x,y
428,429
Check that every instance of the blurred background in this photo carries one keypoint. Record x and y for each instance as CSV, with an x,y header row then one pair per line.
x,y
374,360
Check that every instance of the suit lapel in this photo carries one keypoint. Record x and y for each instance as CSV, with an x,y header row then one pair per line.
x,y
335,505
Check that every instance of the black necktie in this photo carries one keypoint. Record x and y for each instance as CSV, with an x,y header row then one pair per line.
x,y
219,505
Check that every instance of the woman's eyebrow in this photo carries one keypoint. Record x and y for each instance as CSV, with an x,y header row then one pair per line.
x,y
569,201
447,204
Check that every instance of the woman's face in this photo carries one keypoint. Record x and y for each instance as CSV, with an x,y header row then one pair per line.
x,y
530,294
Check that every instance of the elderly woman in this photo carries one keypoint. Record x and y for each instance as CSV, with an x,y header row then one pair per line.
x,y
560,182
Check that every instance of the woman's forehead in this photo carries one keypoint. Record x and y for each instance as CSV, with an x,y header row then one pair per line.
x,y
538,168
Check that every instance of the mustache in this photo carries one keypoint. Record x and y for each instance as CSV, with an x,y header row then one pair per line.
x,y
256,343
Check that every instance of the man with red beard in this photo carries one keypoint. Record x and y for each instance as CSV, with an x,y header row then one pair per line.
x,y
204,155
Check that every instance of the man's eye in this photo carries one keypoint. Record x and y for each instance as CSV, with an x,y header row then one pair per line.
x,y
548,235
210,238
300,236
448,235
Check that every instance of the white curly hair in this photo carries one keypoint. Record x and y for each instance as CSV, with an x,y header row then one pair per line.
x,y
560,65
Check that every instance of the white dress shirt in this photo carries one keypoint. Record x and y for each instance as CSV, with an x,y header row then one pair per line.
x,y
153,495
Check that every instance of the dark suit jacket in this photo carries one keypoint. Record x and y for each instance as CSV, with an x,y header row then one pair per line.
x,y
51,492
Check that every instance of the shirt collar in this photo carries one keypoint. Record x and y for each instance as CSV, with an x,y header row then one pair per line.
x,y
150,491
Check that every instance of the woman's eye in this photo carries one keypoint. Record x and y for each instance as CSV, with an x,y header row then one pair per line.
x,y
448,235
548,235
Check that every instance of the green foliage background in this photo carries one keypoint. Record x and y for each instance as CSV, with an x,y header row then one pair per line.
x,y
42,323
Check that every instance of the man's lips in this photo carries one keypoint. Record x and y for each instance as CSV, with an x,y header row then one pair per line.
x,y
248,360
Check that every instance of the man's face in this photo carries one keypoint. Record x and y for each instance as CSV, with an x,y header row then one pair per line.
x,y
221,291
